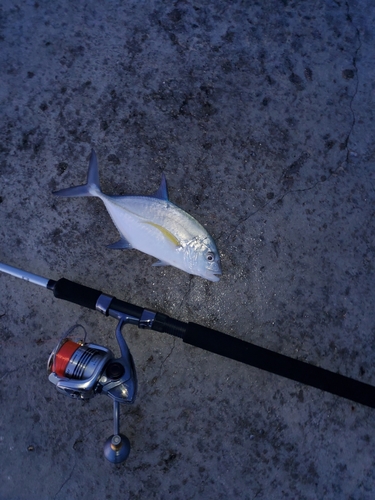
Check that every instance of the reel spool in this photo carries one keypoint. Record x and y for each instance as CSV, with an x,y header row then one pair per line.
x,y
81,371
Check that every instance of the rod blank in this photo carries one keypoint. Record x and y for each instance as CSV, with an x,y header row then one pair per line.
x,y
24,275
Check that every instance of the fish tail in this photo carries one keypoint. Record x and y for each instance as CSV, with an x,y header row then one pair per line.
x,y
92,186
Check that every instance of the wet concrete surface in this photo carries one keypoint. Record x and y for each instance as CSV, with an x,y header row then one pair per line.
x,y
261,115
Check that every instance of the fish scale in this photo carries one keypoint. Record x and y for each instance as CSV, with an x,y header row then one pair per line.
x,y
164,213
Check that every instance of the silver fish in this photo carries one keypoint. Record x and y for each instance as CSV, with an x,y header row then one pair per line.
x,y
155,226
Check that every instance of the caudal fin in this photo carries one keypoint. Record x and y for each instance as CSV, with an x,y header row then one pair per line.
x,y
92,186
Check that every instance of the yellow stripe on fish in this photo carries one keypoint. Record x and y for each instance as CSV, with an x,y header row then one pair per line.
x,y
166,233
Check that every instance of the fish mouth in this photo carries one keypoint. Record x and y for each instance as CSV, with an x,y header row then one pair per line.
x,y
212,271
214,277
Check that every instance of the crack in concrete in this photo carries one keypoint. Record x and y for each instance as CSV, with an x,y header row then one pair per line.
x,y
299,162
20,367
12,371
184,299
187,293
174,338
167,356
347,140
66,481
242,220
279,197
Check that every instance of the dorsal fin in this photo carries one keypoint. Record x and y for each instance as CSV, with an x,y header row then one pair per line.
x,y
162,191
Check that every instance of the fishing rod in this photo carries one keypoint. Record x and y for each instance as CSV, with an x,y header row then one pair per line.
x,y
82,370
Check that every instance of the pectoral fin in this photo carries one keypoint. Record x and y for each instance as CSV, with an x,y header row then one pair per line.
x,y
120,244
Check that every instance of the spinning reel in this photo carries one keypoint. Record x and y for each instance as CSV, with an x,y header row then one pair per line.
x,y
81,371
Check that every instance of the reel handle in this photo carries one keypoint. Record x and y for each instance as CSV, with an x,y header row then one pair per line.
x,y
117,446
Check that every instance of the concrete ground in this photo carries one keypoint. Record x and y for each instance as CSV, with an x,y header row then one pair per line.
x,y
261,114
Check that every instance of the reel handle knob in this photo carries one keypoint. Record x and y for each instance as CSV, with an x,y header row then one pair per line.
x,y
117,448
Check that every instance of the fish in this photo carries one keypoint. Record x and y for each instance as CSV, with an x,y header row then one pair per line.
x,y
154,225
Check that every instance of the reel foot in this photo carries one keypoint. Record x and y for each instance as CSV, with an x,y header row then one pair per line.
x,y
117,448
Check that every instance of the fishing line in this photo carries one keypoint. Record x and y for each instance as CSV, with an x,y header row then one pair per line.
x,y
75,360
62,357
64,351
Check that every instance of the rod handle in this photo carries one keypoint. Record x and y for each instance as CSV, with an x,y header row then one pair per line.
x,y
87,297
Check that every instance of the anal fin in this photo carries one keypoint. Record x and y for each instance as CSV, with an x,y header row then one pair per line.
x,y
160,263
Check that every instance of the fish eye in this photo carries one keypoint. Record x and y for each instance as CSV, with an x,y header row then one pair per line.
x,y
210,256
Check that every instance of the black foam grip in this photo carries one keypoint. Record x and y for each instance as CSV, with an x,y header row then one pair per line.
x,y
87,297
259,357
78,294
